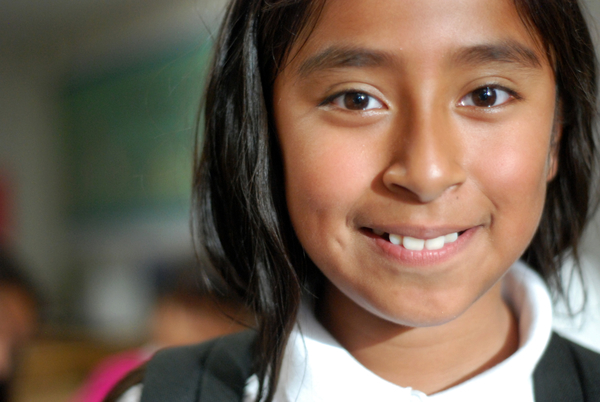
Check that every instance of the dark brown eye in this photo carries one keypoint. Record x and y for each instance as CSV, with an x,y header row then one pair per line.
x,y
356,101
486,97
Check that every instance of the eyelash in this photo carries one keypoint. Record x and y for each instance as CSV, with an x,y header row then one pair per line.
x,y
331,100
510,94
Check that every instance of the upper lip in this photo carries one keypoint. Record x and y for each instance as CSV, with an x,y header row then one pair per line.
x,y
421,231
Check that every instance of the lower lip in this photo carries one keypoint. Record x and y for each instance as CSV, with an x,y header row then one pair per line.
x,y
426,257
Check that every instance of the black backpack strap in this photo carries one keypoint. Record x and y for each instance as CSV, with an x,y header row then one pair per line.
x,y
213,371
567,372
228,366
588,366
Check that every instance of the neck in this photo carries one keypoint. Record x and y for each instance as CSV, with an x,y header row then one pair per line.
x,y
429,359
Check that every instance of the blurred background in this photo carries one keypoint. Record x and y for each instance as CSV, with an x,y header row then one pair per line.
x,y
98,102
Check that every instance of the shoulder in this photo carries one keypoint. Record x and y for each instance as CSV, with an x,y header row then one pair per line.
x,y
587,363
586,359
585,355
133,394
230,349
568,368
219,367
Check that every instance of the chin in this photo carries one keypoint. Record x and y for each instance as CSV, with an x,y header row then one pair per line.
x,y
421,319
406,314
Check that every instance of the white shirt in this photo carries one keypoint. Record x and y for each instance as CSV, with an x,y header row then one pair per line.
x,y
316,368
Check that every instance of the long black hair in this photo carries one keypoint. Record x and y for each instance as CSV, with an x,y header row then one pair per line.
x,y
240,217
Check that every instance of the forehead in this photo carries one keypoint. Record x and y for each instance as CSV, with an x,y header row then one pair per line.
x,y
426,33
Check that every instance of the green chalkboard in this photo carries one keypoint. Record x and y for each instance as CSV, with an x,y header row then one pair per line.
x,y
129,138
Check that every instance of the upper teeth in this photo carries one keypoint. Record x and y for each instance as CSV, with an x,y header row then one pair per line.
x,y
412,243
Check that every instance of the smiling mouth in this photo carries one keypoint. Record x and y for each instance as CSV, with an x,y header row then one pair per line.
x,y
416,244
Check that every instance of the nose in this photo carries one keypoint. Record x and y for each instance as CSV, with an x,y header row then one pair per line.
x,y
427,157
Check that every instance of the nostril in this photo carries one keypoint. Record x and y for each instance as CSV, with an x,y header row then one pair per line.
x,y
428,163
424,185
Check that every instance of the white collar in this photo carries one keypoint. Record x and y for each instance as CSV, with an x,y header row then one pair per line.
x,y
316,368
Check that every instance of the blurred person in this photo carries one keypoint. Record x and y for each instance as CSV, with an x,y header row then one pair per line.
x,y
185,313
19,307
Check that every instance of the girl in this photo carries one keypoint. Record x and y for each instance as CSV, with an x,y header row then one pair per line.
x,y
375,176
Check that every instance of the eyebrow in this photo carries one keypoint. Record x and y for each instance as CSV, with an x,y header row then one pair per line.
x,y
510,52
337,57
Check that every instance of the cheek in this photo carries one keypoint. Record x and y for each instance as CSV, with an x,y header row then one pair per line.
x,y
325,175
513,176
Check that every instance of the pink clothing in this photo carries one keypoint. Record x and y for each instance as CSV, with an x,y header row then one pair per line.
x,y
108,373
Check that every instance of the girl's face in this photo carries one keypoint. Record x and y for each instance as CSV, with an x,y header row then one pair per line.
x,y
403,124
